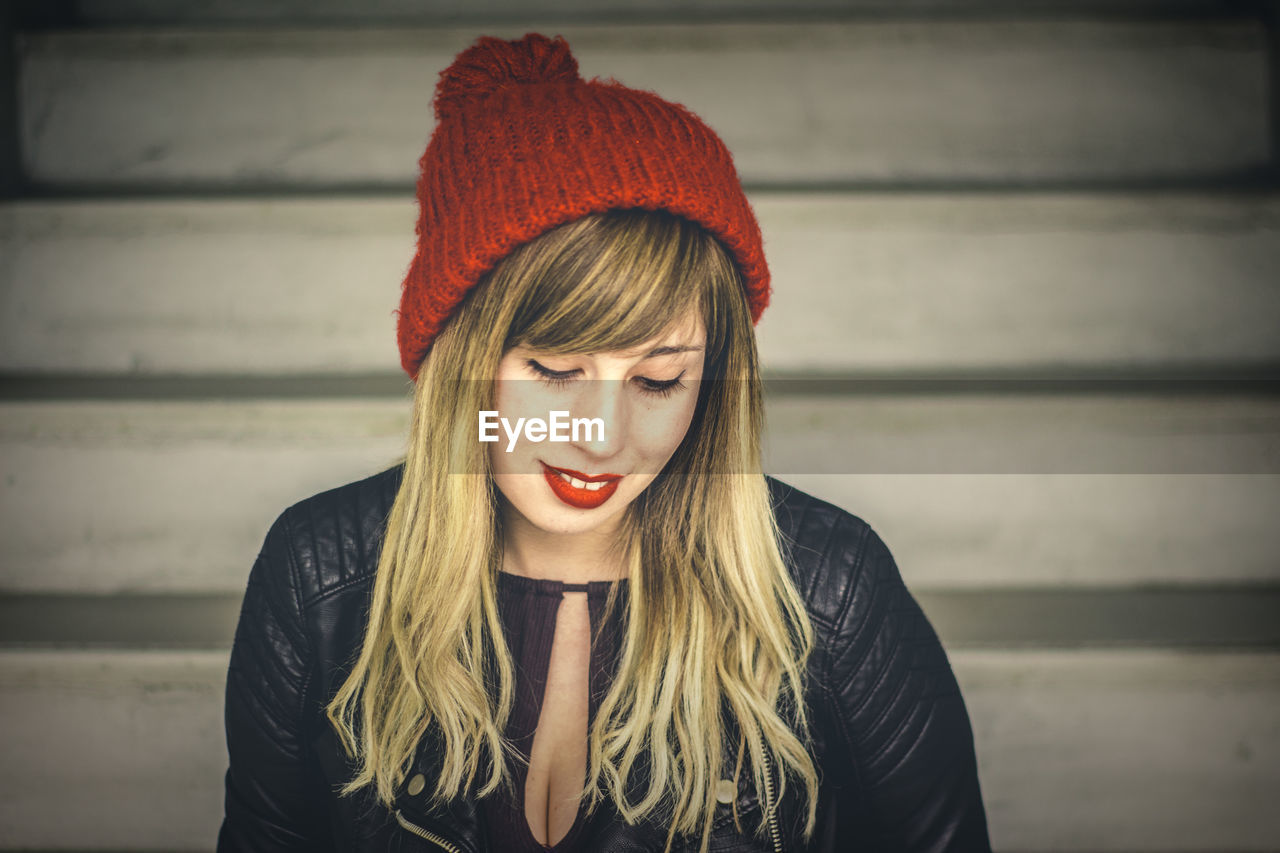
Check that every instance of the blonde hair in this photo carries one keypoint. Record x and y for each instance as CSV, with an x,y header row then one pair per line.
x,y
715,632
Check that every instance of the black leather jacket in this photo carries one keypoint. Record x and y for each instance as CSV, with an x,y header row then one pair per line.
x,y
891,736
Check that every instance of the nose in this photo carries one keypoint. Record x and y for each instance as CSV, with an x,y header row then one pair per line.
x,y
604,400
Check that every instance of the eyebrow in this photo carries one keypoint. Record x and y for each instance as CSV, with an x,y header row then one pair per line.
x,y
671,350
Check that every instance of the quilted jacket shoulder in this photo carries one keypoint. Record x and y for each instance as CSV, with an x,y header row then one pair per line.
x,y
891,730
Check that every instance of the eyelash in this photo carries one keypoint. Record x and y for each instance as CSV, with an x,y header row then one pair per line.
x,y
652,387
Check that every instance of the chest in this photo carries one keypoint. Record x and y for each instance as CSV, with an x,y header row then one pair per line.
x,y
558,750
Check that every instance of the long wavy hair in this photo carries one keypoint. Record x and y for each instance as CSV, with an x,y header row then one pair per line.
x,y
716,636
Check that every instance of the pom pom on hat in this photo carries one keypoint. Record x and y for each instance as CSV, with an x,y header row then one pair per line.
x,y
522,145
491,65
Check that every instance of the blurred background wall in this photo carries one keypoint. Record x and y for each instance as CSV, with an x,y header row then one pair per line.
x,y
1026,264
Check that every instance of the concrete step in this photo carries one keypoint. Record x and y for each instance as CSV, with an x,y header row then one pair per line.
x,y
949,283
1188,617
813,103
969,491
1153,750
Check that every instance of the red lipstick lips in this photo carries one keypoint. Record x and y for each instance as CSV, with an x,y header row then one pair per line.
x,y
577,497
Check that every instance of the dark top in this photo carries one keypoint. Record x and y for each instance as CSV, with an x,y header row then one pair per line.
x,y
528,610
890,733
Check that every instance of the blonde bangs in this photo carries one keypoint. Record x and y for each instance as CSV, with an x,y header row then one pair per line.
x,y
610,282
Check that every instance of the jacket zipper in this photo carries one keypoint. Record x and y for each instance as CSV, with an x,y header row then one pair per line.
x,y
772,813
429,836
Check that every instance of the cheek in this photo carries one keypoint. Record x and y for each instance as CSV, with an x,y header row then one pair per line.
x,y
665,428
499,461
516,398
512,483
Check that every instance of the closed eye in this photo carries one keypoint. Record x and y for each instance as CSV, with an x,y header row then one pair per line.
x,y
651,387
659,388
554,378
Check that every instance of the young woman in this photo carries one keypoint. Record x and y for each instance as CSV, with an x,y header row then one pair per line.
x,y
578,617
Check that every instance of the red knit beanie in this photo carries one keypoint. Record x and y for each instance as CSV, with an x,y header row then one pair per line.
x,y
522,144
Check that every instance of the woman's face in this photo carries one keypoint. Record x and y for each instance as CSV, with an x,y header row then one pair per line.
x,y
632,410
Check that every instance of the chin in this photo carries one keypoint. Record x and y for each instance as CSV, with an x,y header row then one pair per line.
x,y
538,505
550,515
566,520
